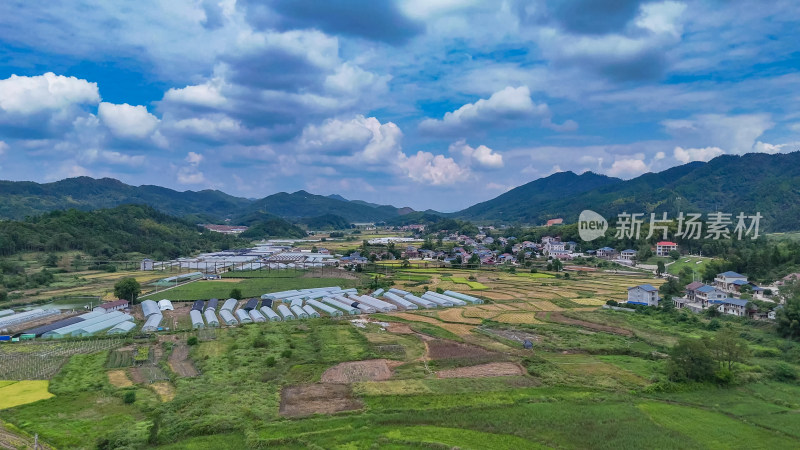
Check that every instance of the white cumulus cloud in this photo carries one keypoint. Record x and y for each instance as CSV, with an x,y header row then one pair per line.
x,y
28,95
507,105
686,155
436,170
482,156
127,121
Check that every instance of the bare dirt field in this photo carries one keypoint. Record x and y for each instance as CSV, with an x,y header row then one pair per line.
x,y
355,371
399,328
444,349
136,375
559,318
496,369
180,363
321,398
119,378
459,329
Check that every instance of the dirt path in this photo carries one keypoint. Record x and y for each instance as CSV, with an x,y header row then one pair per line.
x,y
557,317
497,369
180,363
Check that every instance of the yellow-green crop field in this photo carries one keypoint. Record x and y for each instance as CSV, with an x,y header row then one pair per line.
x,y
15,393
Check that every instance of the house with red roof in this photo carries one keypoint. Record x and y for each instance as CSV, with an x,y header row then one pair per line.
x,y
664,247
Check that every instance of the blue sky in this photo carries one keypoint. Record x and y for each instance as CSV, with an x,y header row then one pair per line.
x,y
423,103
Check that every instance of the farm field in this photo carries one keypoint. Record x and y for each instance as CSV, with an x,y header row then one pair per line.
x,y
22,392
253,286
456,377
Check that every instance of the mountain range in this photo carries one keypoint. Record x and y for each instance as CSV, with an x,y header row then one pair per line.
x,y
767,184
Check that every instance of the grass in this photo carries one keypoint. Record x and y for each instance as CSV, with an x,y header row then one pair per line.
x,y
18,393
693,262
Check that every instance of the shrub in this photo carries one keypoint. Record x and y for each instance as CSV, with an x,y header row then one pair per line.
x,y
612,303
783,372
723,376
286,354
192,340
271,361
713,325
129,397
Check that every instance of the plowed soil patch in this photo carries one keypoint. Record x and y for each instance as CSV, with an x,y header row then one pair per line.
x,y
356,371
399,328
444,349
321,398
180,363
560,318
498,369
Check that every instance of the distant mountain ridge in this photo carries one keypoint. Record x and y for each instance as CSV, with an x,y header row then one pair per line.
x,y
756,182
750,183
20,199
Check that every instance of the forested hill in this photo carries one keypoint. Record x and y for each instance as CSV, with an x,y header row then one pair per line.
x,y
20,199
755,182
109,233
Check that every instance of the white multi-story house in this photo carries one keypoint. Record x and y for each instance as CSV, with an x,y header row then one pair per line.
x,y
732,306
644,294
664,247
627,255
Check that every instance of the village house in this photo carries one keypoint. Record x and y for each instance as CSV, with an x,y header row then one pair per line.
x,y
691,289
627,255
730,281
116,305
644,294
732,306
664,247
606,252
706,294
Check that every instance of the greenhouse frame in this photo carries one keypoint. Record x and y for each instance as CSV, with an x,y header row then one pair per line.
x,y
197,319
211,317
122,327
227,317
243,316
270,314
283,310
333,312
152,323
149,308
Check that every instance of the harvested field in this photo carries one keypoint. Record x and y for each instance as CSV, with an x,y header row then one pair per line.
x,y
546,306
180,363
455,328
517,318
454,315
164,389
356,371
497,369
559,318
589,301
444,349
472,311
119,378
497,296
309,399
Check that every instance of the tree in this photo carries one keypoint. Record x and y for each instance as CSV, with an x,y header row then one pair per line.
x,y
128,289
51,260
690,360
728,348
670,288
674,254
660,268
557,265
405,264
236,293
788,317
